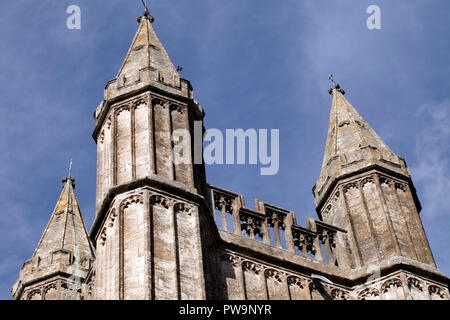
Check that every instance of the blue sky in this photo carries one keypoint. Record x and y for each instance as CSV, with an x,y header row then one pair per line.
x,y
253,64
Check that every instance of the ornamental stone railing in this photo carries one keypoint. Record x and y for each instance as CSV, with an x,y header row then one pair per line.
x,y
275,226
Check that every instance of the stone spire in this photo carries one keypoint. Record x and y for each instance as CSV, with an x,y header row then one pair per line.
x,y
64,251
147,61
146,66
352,145
366,189
66,229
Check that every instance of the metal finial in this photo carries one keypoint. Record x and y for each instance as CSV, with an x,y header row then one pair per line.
x,y
336,85
145,5
146,13
330,77
70,168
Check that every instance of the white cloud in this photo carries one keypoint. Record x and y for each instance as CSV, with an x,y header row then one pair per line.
x,y
431,172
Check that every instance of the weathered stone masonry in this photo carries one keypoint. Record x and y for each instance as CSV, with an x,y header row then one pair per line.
x,y
161,232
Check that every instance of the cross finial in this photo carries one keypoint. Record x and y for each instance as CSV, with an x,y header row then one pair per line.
x,y
330,76
146,13
336,85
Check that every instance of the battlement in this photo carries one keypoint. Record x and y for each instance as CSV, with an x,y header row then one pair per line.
x,y
277,227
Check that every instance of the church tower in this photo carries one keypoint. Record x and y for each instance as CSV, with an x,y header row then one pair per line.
x,y
151,196
155,236
62,259
366,189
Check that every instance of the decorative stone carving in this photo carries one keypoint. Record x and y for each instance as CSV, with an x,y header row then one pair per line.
x,y
436,292
391,284
159,200
103,237
273,274
160,102
223,201
350,185
139,101
296,281
109,122
51,286
303,241
234,260
34,294
181,207
251,225
401,186
124,107
112,218
336,196
177,108
386,181
101,138
367,180
415,283
369,294
326,234
339,294
251,266
275,218
129,201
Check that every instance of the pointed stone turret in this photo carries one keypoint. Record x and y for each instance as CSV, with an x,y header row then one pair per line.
x,y
63,255
150,202
366,189
146,53
146,64
352,145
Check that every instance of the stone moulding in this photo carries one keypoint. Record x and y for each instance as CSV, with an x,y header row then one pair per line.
x,y
152,182
156,92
